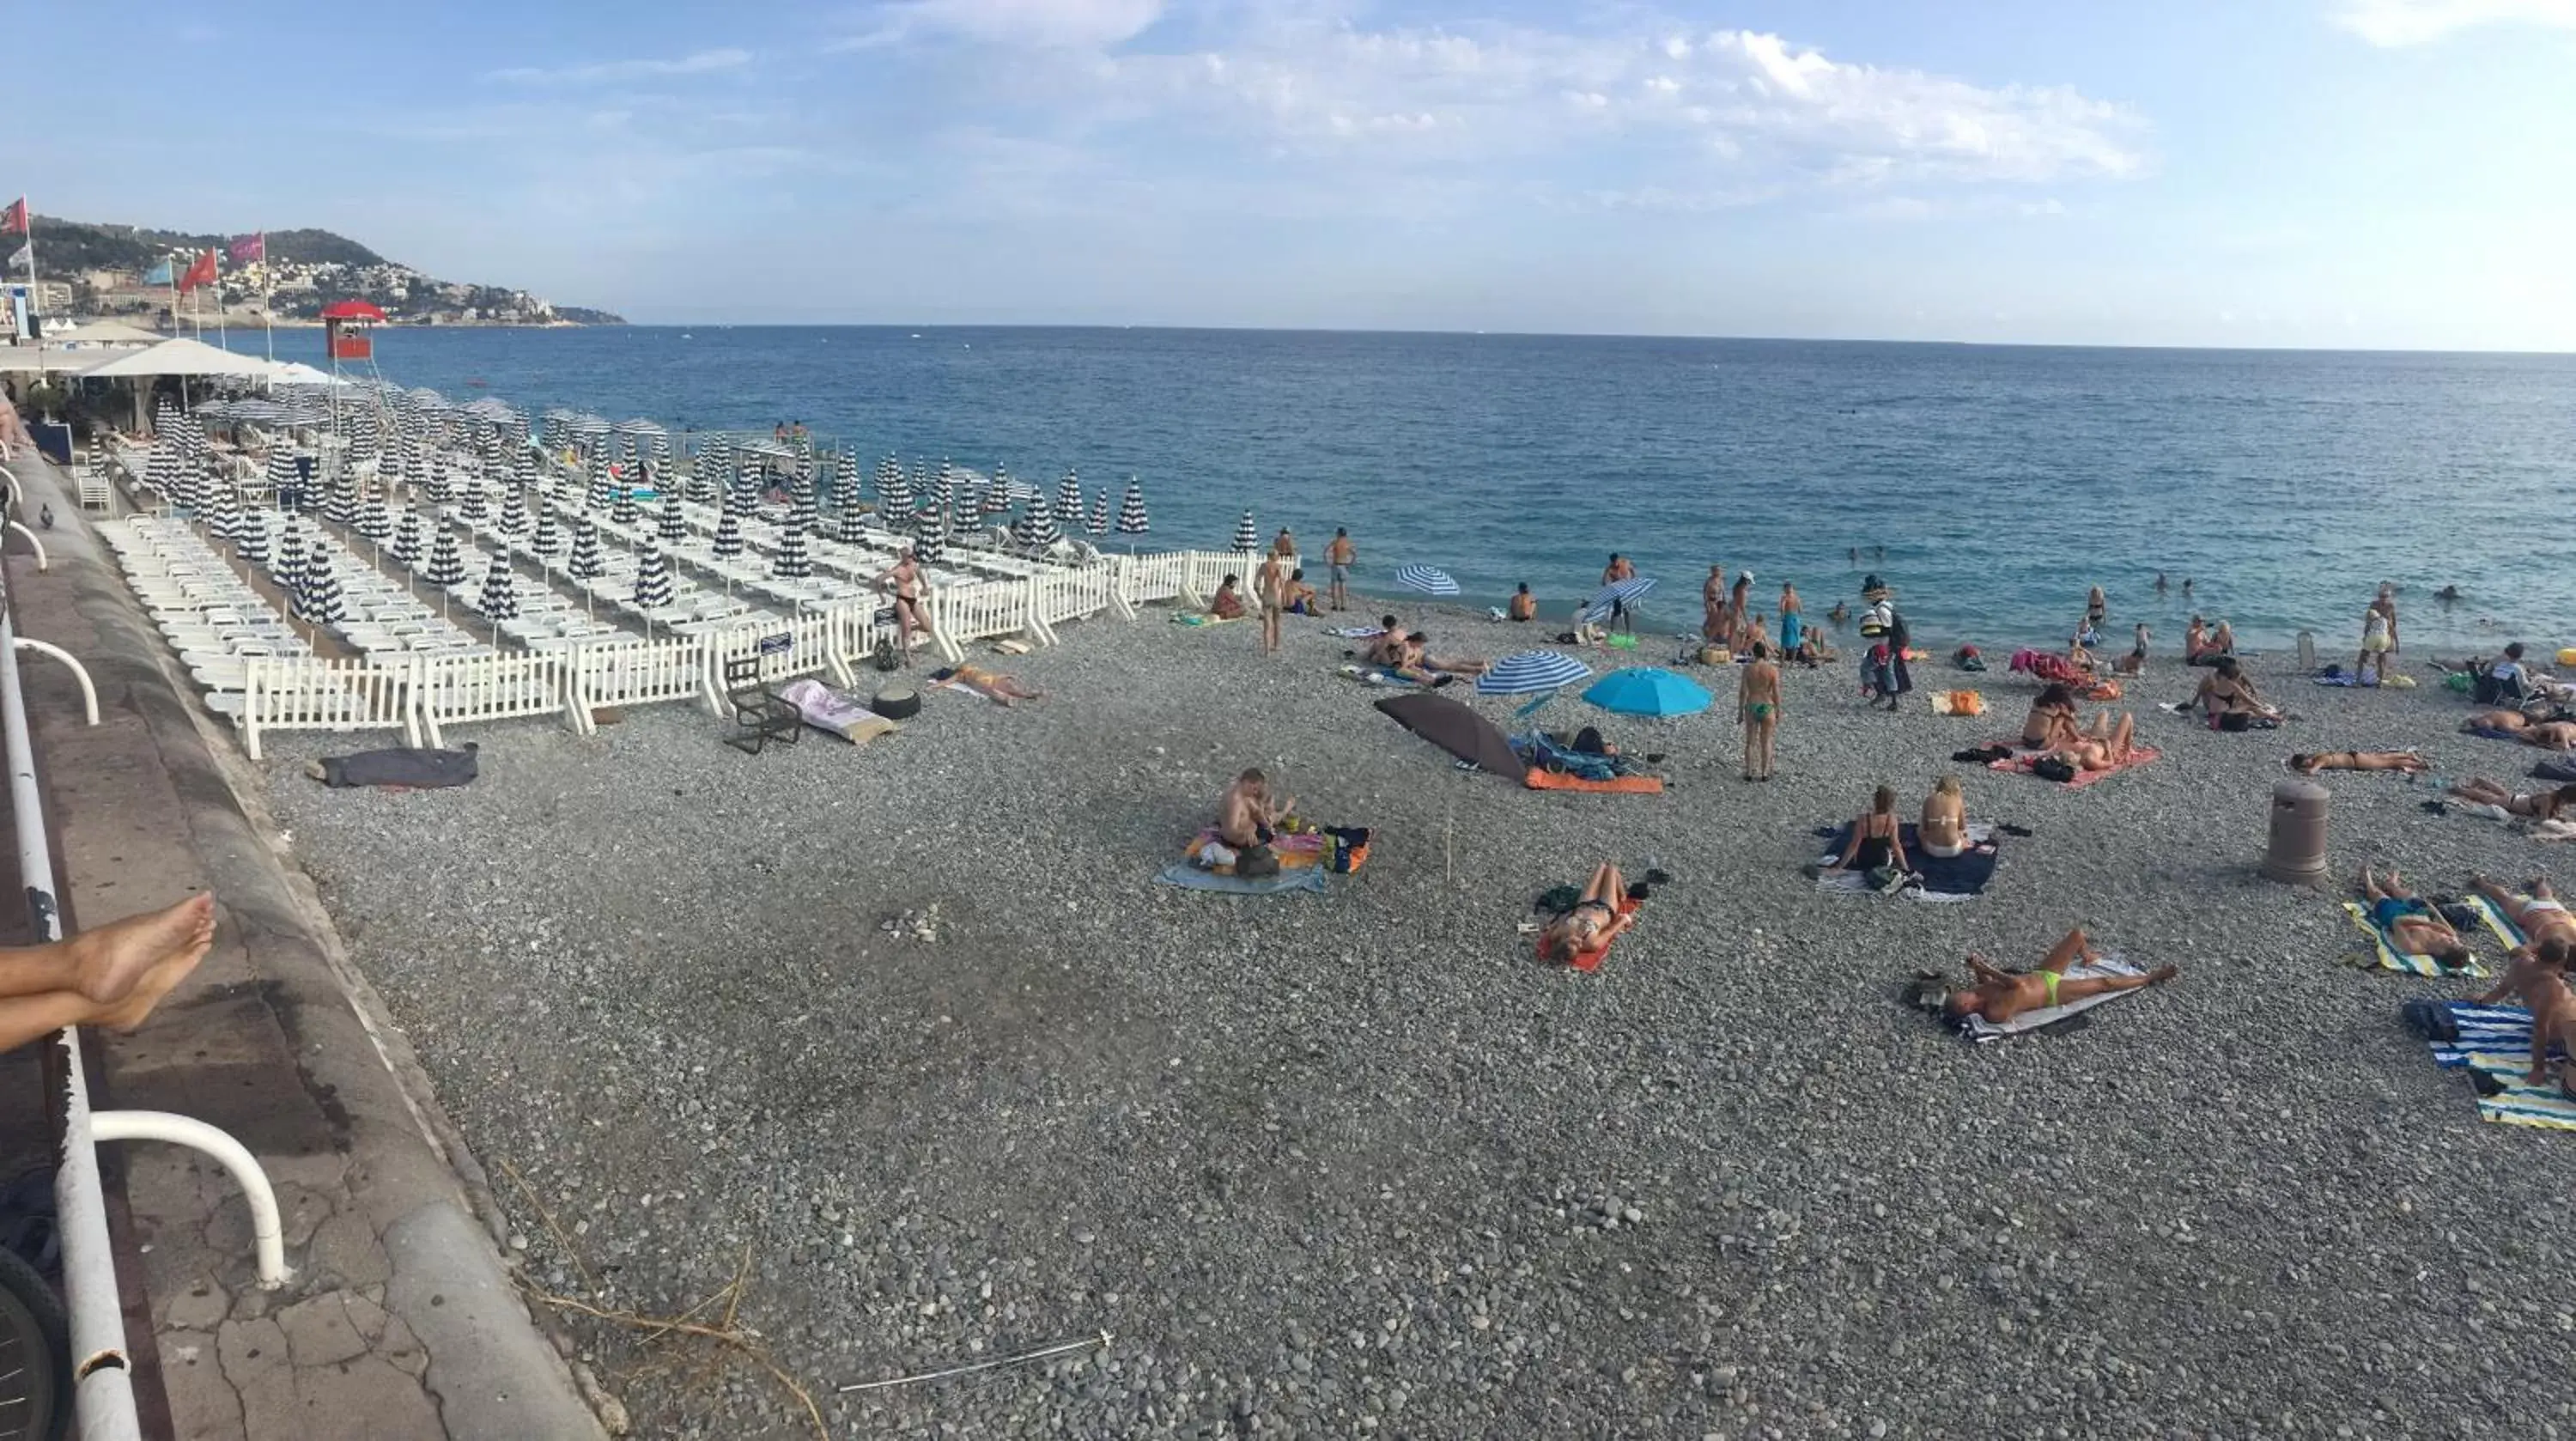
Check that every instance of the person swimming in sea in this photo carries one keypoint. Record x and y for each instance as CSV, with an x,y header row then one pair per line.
x,y
2448,592
1839,614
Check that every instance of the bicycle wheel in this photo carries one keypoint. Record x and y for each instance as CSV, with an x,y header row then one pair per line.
x,y
35,1356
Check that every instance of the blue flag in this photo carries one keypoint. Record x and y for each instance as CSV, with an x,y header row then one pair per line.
x,y
158,275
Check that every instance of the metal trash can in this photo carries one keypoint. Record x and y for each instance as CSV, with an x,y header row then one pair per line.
x,y
2307,652
2297,854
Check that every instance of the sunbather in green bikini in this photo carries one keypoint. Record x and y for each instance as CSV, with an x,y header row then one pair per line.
x,y
2001,995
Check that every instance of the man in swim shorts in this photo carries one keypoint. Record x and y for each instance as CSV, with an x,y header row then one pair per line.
x,y
1340,554
1246,814
2001,995
2413,927
2538,979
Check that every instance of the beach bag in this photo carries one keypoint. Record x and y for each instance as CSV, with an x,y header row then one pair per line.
x,y
1716,655
2430,1019
2053,768
885,658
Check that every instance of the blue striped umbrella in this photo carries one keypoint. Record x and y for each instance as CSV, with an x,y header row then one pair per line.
x,y
1623,594
1426,580
1531,672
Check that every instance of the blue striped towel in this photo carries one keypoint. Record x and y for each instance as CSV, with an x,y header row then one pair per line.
x,y
2496,1040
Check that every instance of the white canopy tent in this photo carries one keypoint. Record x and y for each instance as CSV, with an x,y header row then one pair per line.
x,y
178,357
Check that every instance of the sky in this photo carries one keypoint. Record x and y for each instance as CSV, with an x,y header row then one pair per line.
x,y
2336,173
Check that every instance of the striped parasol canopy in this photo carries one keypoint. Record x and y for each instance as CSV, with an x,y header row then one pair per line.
x,y
930,535
288,568
373,521
586,563
221,508
1068,500
1036,530
705,482
446,565
803,517
672,525
523,467
894,495
406,546
469,502
728,538
547,539
652,579
1098,524
943,491
250,539
853,528
789,561
441,490
341,508
1621,595
280,474
1247,536
499,597
514,513
1425,579
622,509
1531,672
997,496
1131,510
596,498
317,592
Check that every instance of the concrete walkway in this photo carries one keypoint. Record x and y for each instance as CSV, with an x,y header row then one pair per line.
x,y
401,1321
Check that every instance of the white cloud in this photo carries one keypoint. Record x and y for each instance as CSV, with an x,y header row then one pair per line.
x,y
2418,22
1742,98
598,72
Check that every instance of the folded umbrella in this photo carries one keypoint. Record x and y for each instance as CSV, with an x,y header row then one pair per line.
x,y
1649,691
1459,731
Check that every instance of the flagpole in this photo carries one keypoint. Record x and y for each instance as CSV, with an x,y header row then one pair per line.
x,y
267,298
35,287
223,340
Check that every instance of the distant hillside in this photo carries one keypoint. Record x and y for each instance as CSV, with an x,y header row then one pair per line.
x,y
304,270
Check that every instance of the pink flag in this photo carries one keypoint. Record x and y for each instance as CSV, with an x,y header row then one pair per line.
x,y
247,248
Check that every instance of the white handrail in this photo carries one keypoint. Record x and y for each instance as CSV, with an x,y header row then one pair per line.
x,y
89,692
268,1237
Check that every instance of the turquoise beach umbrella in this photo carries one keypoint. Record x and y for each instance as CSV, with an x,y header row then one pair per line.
x,y
1649,691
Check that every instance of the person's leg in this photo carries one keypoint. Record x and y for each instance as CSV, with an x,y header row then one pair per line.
x,y
2123,734
2076,947
1752,748
2082,986
103,964
2482,791
169,943
1770,730
2540,890
1605,880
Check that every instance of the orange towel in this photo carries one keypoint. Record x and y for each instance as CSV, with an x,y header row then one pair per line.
x,y
1590,960
1541,780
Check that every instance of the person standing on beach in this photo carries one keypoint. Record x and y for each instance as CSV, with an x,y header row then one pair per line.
x,y
1341,553
1714,626
2378,634
2097,608
1793,620
1616,571
1270,584
1757,705
905,577
1286,544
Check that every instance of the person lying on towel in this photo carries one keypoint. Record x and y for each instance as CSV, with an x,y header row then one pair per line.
x,y
2414,928
2539,918
1604,912
2001,995
1248,814
2540,805
2538,980
2308,763
994,686
2107,746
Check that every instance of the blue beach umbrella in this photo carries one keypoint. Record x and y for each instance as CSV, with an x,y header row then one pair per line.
x,y
1624,594
1649,691
1531,672
1426,580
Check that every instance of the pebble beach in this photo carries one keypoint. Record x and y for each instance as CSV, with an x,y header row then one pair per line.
x,y
910,1038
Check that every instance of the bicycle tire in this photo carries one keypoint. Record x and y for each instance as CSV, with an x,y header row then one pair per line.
x,y
35,1355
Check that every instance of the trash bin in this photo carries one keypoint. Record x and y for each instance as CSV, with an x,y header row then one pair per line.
x,y
2297,855
2307,652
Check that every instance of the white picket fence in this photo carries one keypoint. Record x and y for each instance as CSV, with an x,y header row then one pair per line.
x,y
423,695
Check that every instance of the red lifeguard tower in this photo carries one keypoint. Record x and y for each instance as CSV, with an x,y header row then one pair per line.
x,y
347,337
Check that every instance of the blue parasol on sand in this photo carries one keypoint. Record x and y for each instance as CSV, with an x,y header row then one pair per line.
x,y
1649,691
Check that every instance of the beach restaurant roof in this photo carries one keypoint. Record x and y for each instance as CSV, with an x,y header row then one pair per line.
x,y
104,332
176,357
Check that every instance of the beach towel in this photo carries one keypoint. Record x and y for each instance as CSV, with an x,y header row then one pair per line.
x,y
1379,675
2138,756
401,768
1357,632
1545,780
1591,960
1194,619
2496,733
1957,702
1977,1030
1190,877
2560,770
1330,848
2386,956
1945,878
2495,1042
834,712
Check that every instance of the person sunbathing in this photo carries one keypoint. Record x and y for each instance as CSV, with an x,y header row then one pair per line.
x,y
1877,844
2107,745
2228,699
1943,831
2411,924
2308,763
111,976
2051,722
991,685
1417,663
2539,805
2551,735
1227,603
2001,995
2496,720
2538,980
1388,649
2539,917
1247,814
1600,916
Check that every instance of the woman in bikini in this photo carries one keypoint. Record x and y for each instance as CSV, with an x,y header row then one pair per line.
x,y
1607,908
2538,916
2001,995
2108,745
905,576
1757,707
2413,927
1943,830
2051,722
2539,805
2308,763
1877,841
991,685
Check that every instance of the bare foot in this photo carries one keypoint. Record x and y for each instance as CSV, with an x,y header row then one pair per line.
x,y
112,959
156,983
2162,973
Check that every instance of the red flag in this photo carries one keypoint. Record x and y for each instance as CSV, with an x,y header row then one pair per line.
x,y
247,248
200,272
13,221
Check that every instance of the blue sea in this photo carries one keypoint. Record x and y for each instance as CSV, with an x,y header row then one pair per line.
x,y
2000,482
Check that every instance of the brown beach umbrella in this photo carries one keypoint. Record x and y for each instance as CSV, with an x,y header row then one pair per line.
x,y
1459,731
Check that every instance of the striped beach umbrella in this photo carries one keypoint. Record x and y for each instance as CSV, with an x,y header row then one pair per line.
x,y
317,592
373,521
703,485
996,497
446,566
250,539
1247,536
441,490
789,561
671,525
597,497
1098,524
523,468
1621,595
342,508
943,491
622,509
728,539
1131,510
894,497
280,474
221,508
1531,672
547,538
406,545
288,569
930,536
853,521
1425,579
470,501
803,518
499,598
514,513
652,579
1036,530
585,562
1068,501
